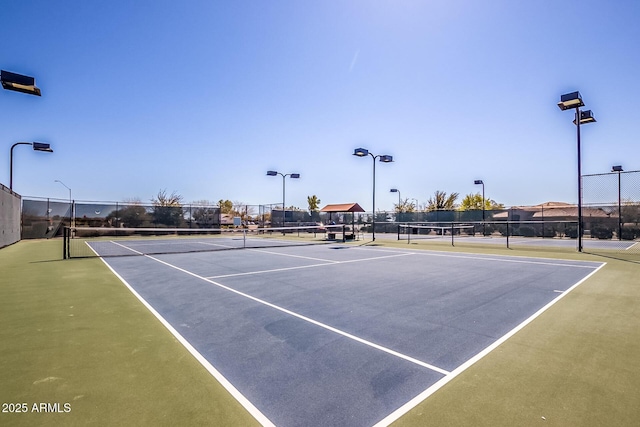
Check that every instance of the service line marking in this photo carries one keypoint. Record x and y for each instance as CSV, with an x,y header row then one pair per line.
x,y
325,263
307,319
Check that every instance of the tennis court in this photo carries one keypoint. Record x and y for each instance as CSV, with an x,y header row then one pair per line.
x,y
342,334
454,234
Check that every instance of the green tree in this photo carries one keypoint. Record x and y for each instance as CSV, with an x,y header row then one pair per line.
x,y
226,206
132,216
167,209
314,203
474,202
440,201
404,206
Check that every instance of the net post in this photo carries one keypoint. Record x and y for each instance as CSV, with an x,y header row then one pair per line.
x,y
398,232
344,233
508,234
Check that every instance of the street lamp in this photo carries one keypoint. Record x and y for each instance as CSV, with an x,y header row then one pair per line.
x,y
284,175
569,101
71,216
37,146
618,169
19,83
395,190
480,182
363,152
398,211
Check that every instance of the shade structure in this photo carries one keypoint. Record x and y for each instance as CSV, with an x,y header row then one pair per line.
x,y
343,207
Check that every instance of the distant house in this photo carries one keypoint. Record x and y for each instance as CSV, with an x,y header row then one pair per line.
x,y
554,211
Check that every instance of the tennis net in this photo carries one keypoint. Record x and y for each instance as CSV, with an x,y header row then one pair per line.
x,y
411,232
82,242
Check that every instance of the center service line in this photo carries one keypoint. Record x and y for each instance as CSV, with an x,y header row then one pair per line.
x,y
307,319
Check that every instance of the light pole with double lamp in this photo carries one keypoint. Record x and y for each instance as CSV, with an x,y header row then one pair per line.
x,y
481,182
570,101
37,146
384,158
619,170
284,175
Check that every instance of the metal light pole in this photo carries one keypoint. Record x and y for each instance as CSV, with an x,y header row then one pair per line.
x,y
71,216
284,175
395,190
619,170
480,182
398,210
568,101
37,146
363,152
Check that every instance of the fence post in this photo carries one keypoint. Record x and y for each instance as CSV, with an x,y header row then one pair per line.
x,y
452,232
64,242
508,234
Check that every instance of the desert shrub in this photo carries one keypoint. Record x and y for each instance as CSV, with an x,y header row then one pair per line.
x,y
600,231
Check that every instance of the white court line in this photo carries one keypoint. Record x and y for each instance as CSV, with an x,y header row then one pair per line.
x,y
264,251
394,416
251,273
327,262
255,412
631,246
520,260
307,319
126,247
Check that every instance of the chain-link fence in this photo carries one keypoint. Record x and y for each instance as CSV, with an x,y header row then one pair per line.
x,y
44,217
9,216
610,211
617,196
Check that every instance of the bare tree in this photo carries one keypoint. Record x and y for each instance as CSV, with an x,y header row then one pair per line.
x,y
167,209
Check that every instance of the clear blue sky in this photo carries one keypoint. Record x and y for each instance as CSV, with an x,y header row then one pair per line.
x,y
203,97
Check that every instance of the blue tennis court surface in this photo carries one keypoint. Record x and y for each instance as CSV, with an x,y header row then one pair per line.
x,y
342,335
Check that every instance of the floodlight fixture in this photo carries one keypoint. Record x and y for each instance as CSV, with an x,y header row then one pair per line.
x,y
617,169
19,83
42,146
570,100
360,152
284,175
478,182
586,117
394,190
384,158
